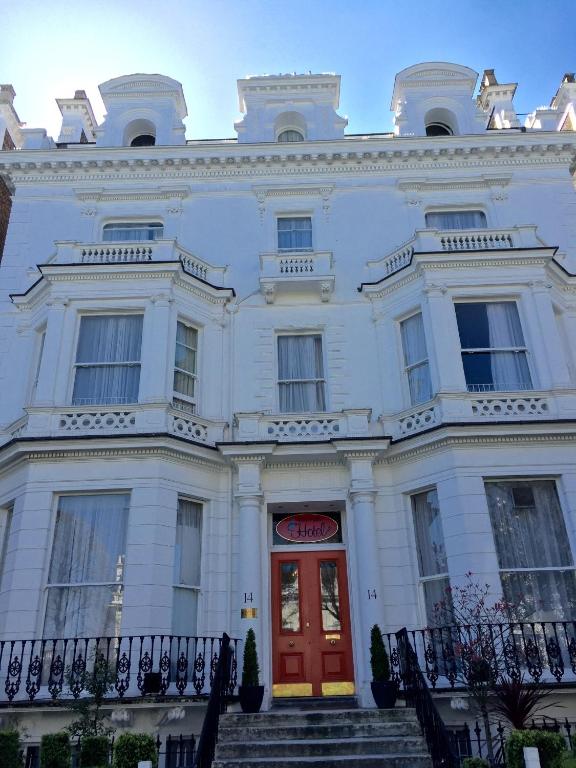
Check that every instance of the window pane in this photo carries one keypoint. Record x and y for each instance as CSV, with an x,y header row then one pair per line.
x,y
456,220
542,595
132,232
438,603
185,358
290,136
187,552
429,534
106,384
329,596
413,340
295,233
184,384
289,597
109,338
496,371
528,536
300,362
90,539
420,384
83,612
186,335
185,612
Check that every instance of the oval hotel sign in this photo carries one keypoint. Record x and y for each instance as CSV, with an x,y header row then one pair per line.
x,y
307,529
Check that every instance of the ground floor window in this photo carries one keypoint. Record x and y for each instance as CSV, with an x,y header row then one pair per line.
x,y
533,549
431,551
187,572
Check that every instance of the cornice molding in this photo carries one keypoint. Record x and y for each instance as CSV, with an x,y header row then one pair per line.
x,y
448,185
118,195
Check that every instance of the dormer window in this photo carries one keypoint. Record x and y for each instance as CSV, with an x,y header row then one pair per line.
x,y
132,231
144,140
438,129
290,135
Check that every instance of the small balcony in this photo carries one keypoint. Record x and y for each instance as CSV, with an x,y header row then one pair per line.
x,y
137,252
297,272
307,427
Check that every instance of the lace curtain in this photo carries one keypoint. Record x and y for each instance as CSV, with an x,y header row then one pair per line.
x,y
108,360
187,560
530,533
456,220
301,374
509,369
131,232
416,359
431,553
86,569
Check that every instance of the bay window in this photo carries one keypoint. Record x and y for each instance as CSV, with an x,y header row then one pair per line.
x,y
187,573
432,562
456,220
533,549
108,360
85,579
493,349
416,359
301,374
294,233
185,367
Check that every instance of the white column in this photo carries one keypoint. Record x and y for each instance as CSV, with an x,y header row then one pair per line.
x,y
249,585
157,351
49,365
444,350
558,376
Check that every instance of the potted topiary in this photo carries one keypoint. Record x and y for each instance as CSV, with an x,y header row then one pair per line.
x,y
384,690
251,693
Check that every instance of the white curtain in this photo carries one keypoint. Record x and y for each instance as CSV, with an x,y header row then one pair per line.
x,y
295,234
131,232
416,359
185,360
429,534
187,560
509,369
108,360
456,220
87,565
301,374
529,532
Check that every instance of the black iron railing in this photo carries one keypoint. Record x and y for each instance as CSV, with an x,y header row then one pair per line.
x,y
160,665
418,695
222,687
449,656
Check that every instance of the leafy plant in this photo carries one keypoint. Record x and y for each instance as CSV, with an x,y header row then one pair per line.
x,y
551,747
378,656
97,682
250,668
130,748
517,701
55,751
94,751
475,762
10,756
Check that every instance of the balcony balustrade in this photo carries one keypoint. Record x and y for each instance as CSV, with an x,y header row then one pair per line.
x,y
306,427
72,252
165,665
296,272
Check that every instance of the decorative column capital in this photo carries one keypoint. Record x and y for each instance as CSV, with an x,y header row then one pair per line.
x,y
362,495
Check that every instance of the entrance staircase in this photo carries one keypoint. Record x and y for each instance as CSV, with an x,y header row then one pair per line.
x,y
322,738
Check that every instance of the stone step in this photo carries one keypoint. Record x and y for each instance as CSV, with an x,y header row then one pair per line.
x,y
315,702
321,748
288,730
334,761
275,718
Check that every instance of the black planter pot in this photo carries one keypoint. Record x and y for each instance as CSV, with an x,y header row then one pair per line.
x,y
251,697
385,693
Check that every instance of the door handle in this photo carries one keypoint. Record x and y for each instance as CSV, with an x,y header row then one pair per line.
x,y
291,643
332,642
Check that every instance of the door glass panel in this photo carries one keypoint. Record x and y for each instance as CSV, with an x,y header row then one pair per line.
x,y
289,597
329,596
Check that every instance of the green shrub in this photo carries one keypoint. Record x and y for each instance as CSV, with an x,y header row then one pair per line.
x,y
551,746
250,668
378,656
10,749
475,762
130,748
94,751
55,751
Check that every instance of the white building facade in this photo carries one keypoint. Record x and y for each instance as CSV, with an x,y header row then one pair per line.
x,y
299,381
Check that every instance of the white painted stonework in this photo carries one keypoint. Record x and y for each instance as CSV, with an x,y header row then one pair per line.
x,y
372,261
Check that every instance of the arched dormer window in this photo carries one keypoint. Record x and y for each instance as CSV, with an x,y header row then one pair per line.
x,y
440,122
140,133
290,135
290,126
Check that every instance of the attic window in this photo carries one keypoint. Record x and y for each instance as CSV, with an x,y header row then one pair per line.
x,y
438,129
290,135
132,231
144,140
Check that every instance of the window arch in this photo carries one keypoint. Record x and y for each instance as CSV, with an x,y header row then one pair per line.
x,y
290,126
140,133
290,135
440,122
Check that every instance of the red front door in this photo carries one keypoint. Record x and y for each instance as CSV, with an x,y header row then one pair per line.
x,y
312,644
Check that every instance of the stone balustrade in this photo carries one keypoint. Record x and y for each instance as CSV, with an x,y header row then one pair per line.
x,y
297,271
306,427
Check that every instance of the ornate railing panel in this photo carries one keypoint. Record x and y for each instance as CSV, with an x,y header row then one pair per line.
x,y
510,407
448,656
113,254
418,696
476,242
96,420
303,429
165,665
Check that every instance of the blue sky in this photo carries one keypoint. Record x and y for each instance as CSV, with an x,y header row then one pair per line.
x,y
50,49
